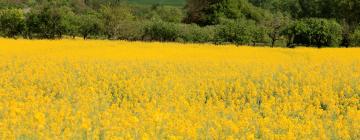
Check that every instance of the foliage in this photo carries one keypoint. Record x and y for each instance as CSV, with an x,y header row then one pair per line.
x,y
161,31
178,3
46,23
90,25
164,13
12,22
355,37
259,35
346,34
275,26
270,21
240,32
70,22
132,30
196,34
337,9
316,32
113,17
208,12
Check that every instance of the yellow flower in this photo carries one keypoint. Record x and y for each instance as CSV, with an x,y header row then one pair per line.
x,y
97,89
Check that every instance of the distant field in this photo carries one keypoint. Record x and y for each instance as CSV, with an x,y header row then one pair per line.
x,y
165,2
75,89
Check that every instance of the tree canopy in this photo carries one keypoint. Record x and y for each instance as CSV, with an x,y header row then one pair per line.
x,y
245,22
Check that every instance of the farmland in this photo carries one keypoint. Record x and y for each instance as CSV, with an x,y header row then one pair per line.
x,y
76,89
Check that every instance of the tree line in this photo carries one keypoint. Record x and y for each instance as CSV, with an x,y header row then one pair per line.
x,y
242,22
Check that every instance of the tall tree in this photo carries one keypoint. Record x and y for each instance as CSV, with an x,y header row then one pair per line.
x,y
113,17
12,22
90,25
210,12
275,26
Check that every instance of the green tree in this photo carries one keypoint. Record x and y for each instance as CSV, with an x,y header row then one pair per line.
x,y
90,25
355,37
316,32
275,26
346,34
259,35
114,17
69,22
210,12
46,23
165,13
239,32
196,34
96,4
12,22
132,30
162,31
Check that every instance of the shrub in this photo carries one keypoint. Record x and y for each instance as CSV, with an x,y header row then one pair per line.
x,y
131,30
239,32
161,31
196,34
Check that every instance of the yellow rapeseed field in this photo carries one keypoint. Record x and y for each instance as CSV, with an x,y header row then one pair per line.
x,y
74,89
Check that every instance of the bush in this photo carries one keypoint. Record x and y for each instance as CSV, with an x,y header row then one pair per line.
x,y
315,32
12,22
131,30
161,31
196,34
166,31
239,32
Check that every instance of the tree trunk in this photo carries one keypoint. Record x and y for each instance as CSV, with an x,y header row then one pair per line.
x,y
109,36
273,42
